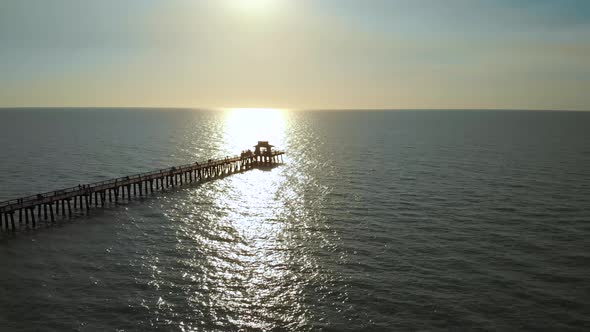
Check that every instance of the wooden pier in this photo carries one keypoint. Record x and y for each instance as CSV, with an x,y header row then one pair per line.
x,y
47,207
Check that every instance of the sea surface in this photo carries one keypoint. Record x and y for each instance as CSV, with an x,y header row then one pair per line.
x,y
376,221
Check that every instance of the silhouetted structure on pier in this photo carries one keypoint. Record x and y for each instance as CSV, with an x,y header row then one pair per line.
x,y
82,197
263,149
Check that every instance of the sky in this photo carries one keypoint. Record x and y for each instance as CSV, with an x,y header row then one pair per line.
x,y
296,54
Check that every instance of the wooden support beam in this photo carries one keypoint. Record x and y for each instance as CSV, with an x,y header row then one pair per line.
x,y
33,218
12,221
51,213
87,199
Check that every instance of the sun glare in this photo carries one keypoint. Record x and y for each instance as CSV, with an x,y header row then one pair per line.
x,y
253,5
245,126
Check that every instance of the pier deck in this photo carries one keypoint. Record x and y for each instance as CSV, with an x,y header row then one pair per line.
x,y
82,197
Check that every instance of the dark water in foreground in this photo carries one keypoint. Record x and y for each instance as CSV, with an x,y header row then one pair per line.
x,y
419,220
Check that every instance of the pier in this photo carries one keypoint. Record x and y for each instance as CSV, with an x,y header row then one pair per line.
x,y
48,207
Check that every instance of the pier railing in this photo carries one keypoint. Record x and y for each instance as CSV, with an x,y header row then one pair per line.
x,y
56,195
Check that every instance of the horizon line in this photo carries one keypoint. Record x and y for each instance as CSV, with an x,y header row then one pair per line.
x,y
295,109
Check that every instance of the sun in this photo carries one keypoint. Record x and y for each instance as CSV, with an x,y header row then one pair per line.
x,y
254,5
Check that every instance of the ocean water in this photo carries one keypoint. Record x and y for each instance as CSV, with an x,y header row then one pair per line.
x,y
377,221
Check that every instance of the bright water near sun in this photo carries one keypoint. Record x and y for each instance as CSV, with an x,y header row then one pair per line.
x,y
424,220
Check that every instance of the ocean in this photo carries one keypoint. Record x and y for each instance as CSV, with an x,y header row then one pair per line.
x,y
376,221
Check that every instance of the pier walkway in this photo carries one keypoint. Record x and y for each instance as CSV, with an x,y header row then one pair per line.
x,y
46,206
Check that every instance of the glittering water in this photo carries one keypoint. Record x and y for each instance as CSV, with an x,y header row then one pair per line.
x,y
378,221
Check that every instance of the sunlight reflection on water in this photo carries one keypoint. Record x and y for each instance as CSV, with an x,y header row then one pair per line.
x,y
245,246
